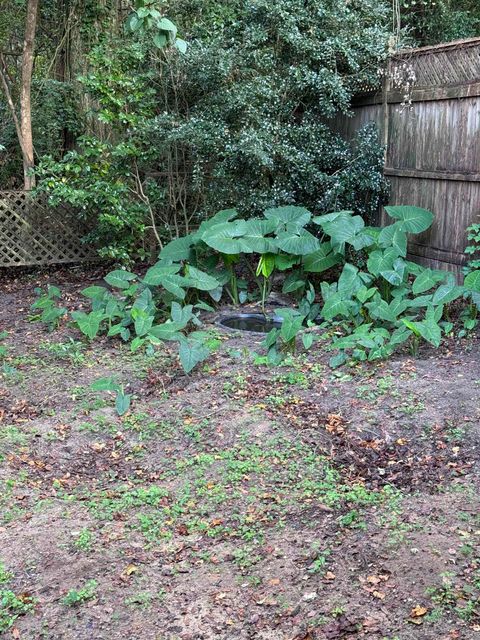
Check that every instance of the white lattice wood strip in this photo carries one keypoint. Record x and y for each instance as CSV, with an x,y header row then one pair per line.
x,y
32,233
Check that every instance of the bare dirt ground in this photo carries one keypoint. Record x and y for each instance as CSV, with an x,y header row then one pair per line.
x,y
239,502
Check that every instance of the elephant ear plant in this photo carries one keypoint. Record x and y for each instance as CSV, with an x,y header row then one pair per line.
x,y
369,311
45,307
122,399
393,300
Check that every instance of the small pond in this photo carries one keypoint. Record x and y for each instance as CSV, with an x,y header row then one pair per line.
x,y
255,322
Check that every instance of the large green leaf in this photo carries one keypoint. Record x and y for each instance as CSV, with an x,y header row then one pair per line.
x,y
119,279
430,331
335,305
447,293
428,328
144,302
297,242
388,312
225,215
175,285
364,294
155,274
299,216
294,281
143,322
396,274
255,240
167,330
423,282
266,265
284,261
94,292
178,249
362,240
182,315
381,261
133,23
414,268
394,236
226,237
472,281
412,219
322,259
344,228
200,280
52,314
349,281
88,323
420,301
400,335
192,352
122,402
291,325
329,217
167,25
398,306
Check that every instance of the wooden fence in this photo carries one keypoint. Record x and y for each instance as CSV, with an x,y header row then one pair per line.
x,y
428,114
33,233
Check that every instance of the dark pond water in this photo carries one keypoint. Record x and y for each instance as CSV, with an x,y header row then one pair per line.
x,y
251,322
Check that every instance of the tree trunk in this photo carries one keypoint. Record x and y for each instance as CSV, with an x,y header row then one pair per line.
x,y
25,95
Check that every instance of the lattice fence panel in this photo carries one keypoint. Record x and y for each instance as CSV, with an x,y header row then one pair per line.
x,y
33,233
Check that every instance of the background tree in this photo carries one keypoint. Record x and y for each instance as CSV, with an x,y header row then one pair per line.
x,y
436,21
23,125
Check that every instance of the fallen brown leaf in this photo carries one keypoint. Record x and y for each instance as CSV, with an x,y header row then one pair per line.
x,y
418,611
131,568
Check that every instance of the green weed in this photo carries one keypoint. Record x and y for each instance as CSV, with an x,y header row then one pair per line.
x,y
78,596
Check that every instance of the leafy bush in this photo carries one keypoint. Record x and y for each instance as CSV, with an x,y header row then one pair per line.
x,y
243,116
248,107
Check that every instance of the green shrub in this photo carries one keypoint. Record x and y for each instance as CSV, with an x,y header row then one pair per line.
x,y
244,117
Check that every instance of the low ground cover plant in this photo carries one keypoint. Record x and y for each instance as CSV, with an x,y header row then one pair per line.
x,y
371,301
12,606
473,247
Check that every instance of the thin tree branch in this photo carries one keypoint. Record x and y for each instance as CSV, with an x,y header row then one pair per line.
x,y
8,95
146,200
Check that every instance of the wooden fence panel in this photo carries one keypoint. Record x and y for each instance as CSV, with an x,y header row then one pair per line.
x,y
436,135
33,233
455,205
432,145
